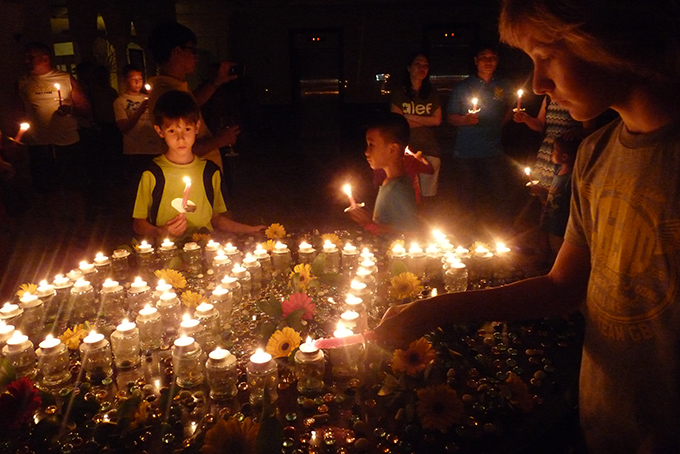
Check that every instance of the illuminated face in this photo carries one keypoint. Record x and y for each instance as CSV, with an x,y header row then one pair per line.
x,y
378,150
37,62
179,135
135,81
419,68
486,62
581,87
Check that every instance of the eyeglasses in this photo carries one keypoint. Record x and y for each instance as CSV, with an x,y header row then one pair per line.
x,y
191,49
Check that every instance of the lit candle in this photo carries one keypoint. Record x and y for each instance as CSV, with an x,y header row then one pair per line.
x,y
212,246
305,248
260,252
520,92
17,340
221,258
308,346
501,249
438,235
61,281
415,250
328,246
86,267
474,106
342,331
6,332
398,251
167,244
147,312
280,248
23,127
348,190
230,249
45,289
481,251
408,152
183,342
100,259
81,284
162,287
349,249
259,361
126,326
109,285
366,254
147,87
462,252
187,189
353,301
138,285
58,87
527,171
349,319
145,247
94,338
238,271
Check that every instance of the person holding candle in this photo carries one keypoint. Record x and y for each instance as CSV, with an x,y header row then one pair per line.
x,y
482,167
395,206
418,101
619,260
176,119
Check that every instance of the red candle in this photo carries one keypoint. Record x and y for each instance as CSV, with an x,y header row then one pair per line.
x,y
520,92
187,189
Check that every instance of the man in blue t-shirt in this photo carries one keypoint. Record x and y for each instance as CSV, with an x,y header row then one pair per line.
x,y
482,184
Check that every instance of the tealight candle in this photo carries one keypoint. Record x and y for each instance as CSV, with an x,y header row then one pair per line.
x,y
101,260
349,249
170,309
221,259
305,248
209,317
11,313
344,358
501,248
6,332
145,247
253,266
262,377
281,257
309,367
366,254
53,362
398,251
125,345
18,351
455,276
163,287
462,252
61,281
332,257
349,319
86,268
45,289
329,246
95,354
342,331
167,244
221,374
187,362
234,286
150,328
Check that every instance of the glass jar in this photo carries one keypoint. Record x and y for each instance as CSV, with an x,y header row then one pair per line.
x,y
95,357
255,269
46,293
113,304
243,277
150,325
455,276
356,305
209,317
364,276
91,275
350,259
18,351
221,374
139,295
232,284
263,376
53,363
190,327
282,259
61,302
345,360
233,253
310,367
416,261
146,260
210,251
103,266
223,301
11,314
186,362
120,265
167,253
306,253
265,260
332,261
193,258
396,259
360,290
83,303
33,320
170,308
125,345
221,265
6,332
433,267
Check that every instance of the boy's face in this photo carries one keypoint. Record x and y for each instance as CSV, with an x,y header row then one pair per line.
x,y
378,150
486,62
134,81
179,135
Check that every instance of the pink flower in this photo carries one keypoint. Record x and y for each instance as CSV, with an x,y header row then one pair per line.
x,y
18,403
299,301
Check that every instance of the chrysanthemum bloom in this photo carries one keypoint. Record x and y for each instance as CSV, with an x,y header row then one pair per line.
x,y
438,407
172,277
275,231
268,245
200,237
283,342
304,272
193,299
415,359
299,301
333,238
72,337
520,397
27,288
405,285
231,436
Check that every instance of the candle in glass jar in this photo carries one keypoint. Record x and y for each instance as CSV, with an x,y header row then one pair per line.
x,y
260,360
349,249
100,259
45,289
162,287
328,246
305,248
342,331
398,251
349,319
61,281
415,249
86,267
145,247
167,244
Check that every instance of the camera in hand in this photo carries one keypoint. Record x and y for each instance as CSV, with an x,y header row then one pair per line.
x,y
237,70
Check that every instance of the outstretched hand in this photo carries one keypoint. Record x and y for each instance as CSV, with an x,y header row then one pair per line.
x,y
402,324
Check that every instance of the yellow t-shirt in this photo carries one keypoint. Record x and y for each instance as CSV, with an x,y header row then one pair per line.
x,y
174,188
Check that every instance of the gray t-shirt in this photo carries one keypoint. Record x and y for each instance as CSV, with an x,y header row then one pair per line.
x,y
626,211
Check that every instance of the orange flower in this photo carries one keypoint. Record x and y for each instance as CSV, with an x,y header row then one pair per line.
x,y
438,407
520,397
415,359
231,436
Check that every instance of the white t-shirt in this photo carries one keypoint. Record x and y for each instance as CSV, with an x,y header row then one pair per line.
x,y
142,138
41,101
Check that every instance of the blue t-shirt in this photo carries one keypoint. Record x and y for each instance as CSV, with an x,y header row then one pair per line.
x,y
482,140
395,205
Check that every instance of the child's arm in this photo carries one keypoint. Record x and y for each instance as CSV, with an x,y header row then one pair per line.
x,y
173,228
362,217
222,222
126,124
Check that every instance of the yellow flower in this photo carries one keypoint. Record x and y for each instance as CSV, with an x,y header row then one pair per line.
x,y
520,397
275,231
396,243
438,407
405,285
27,288
141,415
283,342
72,337
304,272
333,238
193,299
231,436
200,237
415,359
268,245
172,277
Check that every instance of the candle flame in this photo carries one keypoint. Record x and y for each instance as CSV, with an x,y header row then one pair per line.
x,y
49,337
520,92
43,282
147,86
408,151
138,279
186,317
161,282
57,86
527,171
24,126
187,181
92,333
474,101
309,340
147,307
348,190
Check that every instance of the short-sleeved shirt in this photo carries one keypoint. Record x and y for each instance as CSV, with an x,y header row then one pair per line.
x,y
142,138
174,188
161,84
41,101
395,205
626,211
423,138
482,140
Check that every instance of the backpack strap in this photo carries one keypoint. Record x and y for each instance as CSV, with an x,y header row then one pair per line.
x,y
157,192
208,172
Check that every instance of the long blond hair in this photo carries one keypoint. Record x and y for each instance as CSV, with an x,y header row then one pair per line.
x,y
630,38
